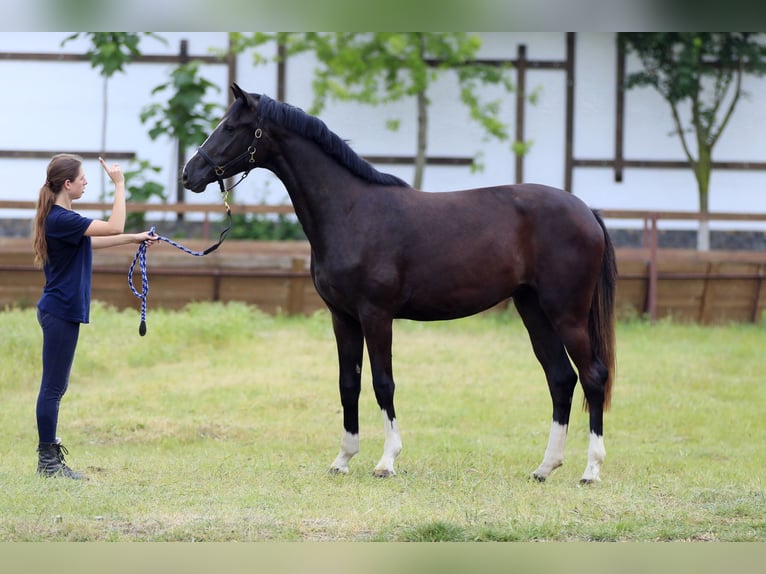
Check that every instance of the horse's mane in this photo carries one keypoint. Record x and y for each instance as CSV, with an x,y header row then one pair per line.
x,y
311,127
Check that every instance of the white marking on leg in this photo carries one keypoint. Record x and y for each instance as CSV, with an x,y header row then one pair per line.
x,y
349,446
554,452
596,456
391,448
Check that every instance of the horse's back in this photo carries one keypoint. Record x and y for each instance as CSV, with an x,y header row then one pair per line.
x,y
543,201
546,215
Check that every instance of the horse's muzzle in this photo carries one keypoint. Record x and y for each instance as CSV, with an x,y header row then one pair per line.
x,y
192,184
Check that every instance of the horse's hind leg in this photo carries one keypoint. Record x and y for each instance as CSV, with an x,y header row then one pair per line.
x,y
593,376
560,375
348,336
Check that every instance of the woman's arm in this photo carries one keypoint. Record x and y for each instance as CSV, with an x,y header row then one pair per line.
x,y
116,222
100,242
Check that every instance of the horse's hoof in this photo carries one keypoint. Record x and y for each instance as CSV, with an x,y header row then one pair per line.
x,y
382,473
588,481
539,477
336,470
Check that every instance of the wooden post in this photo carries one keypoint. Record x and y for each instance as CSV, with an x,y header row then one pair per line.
x,y
569,136
619,119
183,58
206,226
216,284
521,95
754,316
645,238
231,66
281,71
295,288
707,302
652,289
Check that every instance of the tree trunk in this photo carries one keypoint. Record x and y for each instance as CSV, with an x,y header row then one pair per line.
x,y
420,154
702,173
422,103
104,117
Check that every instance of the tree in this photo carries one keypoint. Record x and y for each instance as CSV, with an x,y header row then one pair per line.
x,y
186,116
699,74
111,52
383,67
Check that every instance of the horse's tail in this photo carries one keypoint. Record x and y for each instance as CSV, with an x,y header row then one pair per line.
x,y
601,320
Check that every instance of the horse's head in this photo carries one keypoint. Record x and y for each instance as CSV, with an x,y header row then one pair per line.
x,y
230,148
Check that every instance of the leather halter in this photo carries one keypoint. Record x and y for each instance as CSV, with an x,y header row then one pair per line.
x,y
220,170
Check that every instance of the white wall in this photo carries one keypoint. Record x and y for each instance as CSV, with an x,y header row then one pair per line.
x,y
58,106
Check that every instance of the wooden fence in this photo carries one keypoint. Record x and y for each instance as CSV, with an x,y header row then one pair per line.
x,y
272,275
688,285
705,287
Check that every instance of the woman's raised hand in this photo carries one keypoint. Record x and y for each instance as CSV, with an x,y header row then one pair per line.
x,y
114,172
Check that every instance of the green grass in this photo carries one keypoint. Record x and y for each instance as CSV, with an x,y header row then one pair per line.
x,y
221,423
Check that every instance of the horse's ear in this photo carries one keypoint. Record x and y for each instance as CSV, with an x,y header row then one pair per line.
x,y
237,91
248,99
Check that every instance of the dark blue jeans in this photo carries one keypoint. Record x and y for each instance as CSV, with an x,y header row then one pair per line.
x,y
59,344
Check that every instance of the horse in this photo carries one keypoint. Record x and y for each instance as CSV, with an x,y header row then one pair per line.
x,y
383,250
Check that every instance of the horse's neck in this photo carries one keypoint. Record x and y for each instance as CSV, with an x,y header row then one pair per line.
x,y
321,190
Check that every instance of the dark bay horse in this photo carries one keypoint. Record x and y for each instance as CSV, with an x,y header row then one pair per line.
x,y
381,250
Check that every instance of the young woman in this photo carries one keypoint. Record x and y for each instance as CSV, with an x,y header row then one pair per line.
x,y
63,241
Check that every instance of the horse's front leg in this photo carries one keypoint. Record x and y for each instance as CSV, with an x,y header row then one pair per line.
x,y
348,336
378,334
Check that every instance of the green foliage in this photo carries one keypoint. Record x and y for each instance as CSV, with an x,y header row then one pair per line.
x,y
140,189
382,67
677,64
279,227
704,71
521,148
186,116
111,51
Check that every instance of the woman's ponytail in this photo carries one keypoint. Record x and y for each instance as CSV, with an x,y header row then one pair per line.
x,y
61,168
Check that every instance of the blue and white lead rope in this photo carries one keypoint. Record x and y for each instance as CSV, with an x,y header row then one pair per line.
x,y
141,259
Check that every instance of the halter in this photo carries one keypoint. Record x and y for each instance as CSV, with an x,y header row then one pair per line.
x,y
220,170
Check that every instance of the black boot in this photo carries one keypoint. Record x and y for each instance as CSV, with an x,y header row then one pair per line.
x,y
50,461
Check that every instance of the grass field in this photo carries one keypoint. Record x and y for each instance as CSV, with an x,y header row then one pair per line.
x,y
220,425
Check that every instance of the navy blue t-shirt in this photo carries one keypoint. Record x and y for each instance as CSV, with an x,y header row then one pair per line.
x,y
66,294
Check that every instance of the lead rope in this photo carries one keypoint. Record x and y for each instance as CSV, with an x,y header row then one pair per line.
x,y
141,259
